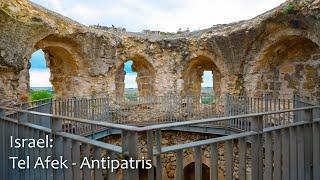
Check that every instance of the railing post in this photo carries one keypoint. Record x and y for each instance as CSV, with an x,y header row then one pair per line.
x,y
296,104
266,97
107,110
308,117
3,136
130,149
46,121
150,153
229,109
57,151
316,144
23,117
158,157
256,147
75,107
228,104
51,106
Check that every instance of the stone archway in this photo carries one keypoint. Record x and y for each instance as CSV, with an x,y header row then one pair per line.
x,y
285,67
63,59
189,172
145,77
193,76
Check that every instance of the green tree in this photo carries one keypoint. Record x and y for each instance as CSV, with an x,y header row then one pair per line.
x,y
42,94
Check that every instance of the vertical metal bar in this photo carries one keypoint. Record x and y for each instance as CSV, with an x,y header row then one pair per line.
x,y
214,162
124,139
57,146
158,157
242,158
49,152
257,151
4,136
293,154
58,151
31,154
26,152
111,173
301,160
97,169
308,117
67,151
150,153
76,159
268,157
43,155
179,169
198,163
316,151
132,152
86,170
16,172
285,154
277,155
2,140
229,161
22,152
23,117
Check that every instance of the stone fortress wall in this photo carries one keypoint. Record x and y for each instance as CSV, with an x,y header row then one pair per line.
x,y
275,52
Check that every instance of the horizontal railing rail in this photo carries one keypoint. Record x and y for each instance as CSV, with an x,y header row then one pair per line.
x,y
157,126
84,121
194,122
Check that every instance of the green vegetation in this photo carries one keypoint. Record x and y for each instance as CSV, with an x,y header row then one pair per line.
x,y
289,9
41,94
207,99
131,96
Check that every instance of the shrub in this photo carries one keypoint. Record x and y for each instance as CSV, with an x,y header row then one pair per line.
x,y
131,97
42,94
289,9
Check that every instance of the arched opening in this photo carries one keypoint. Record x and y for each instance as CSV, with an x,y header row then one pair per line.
x,y
63,69
130,83
40,85
207,85
143,172
201,71
207,82
288,67
189,172
63,57
135,72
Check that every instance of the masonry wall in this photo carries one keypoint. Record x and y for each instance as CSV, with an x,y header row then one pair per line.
x,y
85,60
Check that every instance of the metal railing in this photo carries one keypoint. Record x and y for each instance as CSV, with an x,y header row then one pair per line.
x,y
162,109
263,151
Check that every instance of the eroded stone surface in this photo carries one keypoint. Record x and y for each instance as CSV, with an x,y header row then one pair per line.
x,y
276,52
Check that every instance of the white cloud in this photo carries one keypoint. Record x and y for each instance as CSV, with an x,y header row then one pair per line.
x,y
130,80
207,80
136,15
39,78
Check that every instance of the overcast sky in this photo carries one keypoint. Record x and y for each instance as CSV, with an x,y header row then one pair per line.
x,y
137,15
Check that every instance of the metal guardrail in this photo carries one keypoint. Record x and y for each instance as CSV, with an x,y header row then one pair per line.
x,y
281,151
145,111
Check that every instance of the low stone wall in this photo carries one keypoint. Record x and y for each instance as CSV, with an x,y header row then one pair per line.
x,y
178,137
